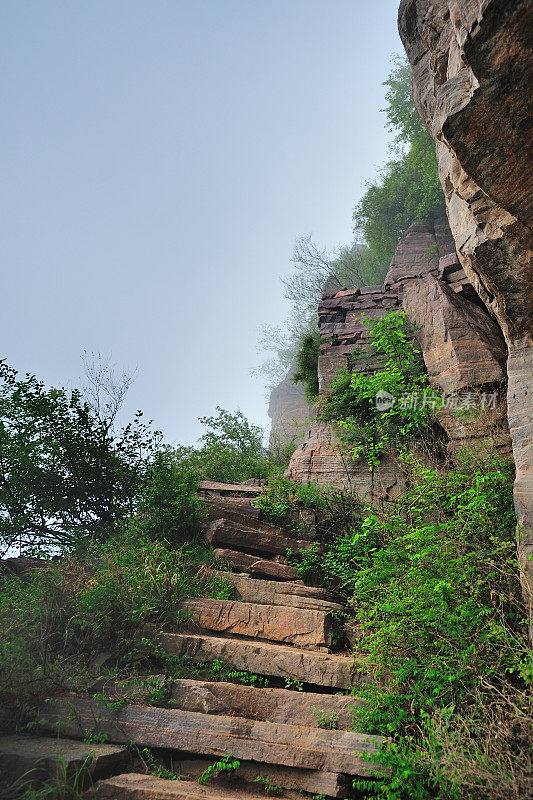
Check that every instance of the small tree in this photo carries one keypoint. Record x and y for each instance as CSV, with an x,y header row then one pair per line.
x,y
64,477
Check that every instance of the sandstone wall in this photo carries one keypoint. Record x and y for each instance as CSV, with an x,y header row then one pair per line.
x,y
472,79
289,411
462,347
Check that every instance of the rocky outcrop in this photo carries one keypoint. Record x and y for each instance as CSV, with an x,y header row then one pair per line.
x,y
472,70
289,411
321,459
462,347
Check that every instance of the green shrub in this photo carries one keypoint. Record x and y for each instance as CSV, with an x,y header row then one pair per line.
x,y
168,507
437,594
67,478
366,429
231,450
283,497
306,371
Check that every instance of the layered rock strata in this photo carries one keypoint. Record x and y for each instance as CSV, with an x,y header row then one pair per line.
x,y
462,347
472,78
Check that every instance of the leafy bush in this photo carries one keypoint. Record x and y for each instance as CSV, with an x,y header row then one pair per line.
x,y
282,498
231,450
168,507
307,365
437,594
367,429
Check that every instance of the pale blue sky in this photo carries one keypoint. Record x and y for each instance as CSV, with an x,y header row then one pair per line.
x,y
159,160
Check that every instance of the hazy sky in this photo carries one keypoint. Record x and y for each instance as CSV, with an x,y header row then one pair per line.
x,y
160,158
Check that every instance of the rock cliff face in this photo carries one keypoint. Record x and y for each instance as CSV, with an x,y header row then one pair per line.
x,y
472,71
462,346
289,411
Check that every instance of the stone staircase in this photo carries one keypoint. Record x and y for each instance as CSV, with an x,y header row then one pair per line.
x,y
297,738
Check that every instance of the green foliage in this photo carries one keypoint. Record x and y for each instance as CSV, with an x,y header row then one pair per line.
x,y
408,187
231,450
268,785
306,370
437,594
369,429
65,478
183,667
55,623
280,501
65,784
225,764
168,507
155,767
325,719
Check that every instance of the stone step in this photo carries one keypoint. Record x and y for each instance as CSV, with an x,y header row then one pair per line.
x,y
302,627
263,658
41,758
279,593
224,532
254,565
329,784
242,511
212,735
229,488
147,787
269,705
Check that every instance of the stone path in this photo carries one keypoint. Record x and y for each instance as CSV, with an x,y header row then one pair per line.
x,y
297,738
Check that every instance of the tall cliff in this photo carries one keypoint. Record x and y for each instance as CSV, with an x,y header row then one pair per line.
x,y
472,79
289,411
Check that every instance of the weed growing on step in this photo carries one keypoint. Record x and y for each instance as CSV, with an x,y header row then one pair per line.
x,y
283,497
183,667
325,719
224,765
154,766
65,784
268,785
295,685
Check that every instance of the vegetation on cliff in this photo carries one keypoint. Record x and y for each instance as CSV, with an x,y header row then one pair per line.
x,y
408,187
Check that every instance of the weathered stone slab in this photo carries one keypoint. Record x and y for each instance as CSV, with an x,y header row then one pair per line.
x,y
238,509
146,787
302,627
254,565
270,705
42,757
263,658
330,784
225,533
204,734
280,593
229,488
